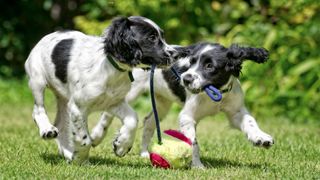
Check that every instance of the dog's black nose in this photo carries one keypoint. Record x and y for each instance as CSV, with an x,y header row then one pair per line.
x,y
187,79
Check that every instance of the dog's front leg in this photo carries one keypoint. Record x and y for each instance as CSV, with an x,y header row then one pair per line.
x,y
188,128
247,124
101,128
124,140
81,141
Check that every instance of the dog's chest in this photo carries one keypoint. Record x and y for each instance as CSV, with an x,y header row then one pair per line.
x,y
107,94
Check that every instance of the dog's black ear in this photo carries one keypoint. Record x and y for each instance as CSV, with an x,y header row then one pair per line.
x,y
234,64
236,55
258,55
120,43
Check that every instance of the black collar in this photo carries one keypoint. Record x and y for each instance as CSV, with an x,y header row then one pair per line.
x,y
115,65
228,89
229,86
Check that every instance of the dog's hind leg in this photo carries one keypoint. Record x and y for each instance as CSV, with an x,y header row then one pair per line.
x,y
163,106
37,85
148,130
80,138
100,130
63,125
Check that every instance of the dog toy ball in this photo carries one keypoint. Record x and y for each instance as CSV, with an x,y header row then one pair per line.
x,y
174,152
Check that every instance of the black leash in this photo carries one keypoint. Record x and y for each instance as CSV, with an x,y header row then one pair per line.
x,y
154,106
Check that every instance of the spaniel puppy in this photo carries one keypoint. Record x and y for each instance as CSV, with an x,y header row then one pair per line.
x,y
205,64
88,73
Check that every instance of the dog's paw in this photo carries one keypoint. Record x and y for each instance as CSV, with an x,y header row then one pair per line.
x,y
261,139
97,136
66,153
145,154
122,145
95,141
82,140
49,133
197,165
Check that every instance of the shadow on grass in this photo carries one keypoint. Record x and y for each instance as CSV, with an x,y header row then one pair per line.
x,y
218,163
56,159
116,161
52,159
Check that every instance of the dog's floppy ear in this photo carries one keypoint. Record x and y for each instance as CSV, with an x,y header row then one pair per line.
x,y
258,55
236,55
120,43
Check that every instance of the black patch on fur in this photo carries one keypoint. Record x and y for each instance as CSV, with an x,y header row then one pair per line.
x,y
64,30
258,55
60,57
133,41
120,43
174,83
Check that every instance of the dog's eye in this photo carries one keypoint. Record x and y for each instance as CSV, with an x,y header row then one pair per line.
x,y
152,38
209,66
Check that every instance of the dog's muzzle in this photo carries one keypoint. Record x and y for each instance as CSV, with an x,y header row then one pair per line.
x,y
189,82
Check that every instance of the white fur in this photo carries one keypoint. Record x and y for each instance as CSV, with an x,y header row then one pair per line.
x,y
196,107
92,84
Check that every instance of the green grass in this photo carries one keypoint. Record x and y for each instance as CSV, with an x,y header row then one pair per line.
x,y
225,152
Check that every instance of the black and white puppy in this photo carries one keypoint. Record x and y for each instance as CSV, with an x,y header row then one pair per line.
x,y
86,74
206,64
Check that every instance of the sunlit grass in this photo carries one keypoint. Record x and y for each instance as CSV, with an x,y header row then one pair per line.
x,y
225,152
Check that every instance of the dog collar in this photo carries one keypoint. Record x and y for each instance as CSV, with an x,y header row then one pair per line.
x,y
229,86
115,65
228,89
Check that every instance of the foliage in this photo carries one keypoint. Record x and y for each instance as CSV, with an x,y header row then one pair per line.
x,y
287,85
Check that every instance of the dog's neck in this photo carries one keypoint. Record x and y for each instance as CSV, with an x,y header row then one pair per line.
x,y
118,65
228,86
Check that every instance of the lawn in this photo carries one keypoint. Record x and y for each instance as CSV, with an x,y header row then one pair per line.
x,y
225,151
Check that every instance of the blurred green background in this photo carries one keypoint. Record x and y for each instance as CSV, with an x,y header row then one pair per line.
x,y
286,86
